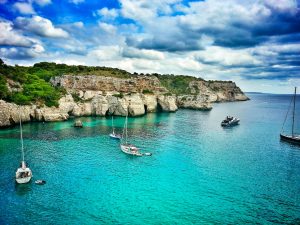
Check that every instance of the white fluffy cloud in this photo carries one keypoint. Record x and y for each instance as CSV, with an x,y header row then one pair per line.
x,y
144,10
76,1
107,28
22,53
40,26
106,53
107,14
226,57
24,8
78,24
9,36
42,2
142,53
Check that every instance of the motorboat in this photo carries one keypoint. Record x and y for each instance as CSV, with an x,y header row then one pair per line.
x,y
230,121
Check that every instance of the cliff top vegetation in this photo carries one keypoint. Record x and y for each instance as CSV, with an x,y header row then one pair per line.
x,y
36,88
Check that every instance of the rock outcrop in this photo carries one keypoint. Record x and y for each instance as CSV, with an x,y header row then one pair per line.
x,y
193,102
11,113
167,103
100,96
108,84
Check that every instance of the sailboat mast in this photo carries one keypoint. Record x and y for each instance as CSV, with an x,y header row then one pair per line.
x,y
21,136
294,111
126,129
112,121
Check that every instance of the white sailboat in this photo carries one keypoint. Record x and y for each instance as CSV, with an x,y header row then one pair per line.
x,y
23,174
127,148
113,134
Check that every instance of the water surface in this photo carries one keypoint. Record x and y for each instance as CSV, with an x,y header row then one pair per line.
x,y
199,172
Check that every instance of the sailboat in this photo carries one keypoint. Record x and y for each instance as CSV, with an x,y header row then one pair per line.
x,y
125,146
23,174
293,138
113,134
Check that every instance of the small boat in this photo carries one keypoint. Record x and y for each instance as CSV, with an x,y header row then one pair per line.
x,y
127,148
292,138
40,182
113,134
23,173
230,121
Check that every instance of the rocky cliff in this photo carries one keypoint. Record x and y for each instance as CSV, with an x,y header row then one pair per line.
x,y
93,95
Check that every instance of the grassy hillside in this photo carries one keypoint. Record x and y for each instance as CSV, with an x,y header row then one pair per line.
x,y
35,81
36,88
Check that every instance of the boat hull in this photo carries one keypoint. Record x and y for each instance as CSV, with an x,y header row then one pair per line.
x,y
23,180
291,139
115,136
23,175
129,150
234,123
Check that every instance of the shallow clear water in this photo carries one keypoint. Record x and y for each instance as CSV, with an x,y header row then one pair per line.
x,y
198,173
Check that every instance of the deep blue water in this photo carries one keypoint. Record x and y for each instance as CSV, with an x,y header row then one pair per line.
x,y
198,173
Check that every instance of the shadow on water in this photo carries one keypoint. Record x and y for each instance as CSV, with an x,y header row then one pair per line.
x,y
23,189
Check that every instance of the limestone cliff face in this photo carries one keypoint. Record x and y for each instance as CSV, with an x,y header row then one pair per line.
x,y
99,105
217,91
11,113
100,96
109,84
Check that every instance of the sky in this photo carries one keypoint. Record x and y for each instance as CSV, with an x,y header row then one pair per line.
x,y
253,43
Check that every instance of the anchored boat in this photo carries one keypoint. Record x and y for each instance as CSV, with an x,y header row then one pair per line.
x,y
292,138
127,148
230,121
113,134
23,174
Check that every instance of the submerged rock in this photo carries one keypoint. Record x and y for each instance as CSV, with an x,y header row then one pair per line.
x,y
78,123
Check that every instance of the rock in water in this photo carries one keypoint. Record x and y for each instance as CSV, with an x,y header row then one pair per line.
x,y
78,123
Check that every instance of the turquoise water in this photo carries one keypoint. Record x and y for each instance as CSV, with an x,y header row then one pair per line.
x,y
199,173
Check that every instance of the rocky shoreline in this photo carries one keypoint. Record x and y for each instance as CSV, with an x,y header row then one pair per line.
x,y
100,96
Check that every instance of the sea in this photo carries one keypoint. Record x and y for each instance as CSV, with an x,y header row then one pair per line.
x,y
198,173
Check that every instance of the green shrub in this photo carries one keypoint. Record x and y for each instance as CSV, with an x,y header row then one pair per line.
x,y
20,99
76,97
121,95
146,91
4,93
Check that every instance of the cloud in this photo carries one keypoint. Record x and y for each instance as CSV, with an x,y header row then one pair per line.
x,y
107,28
108,14
72,46
142,53
20,53
226,57
78,24
232,23
24,8
144,10
41,27
76,1
106,53
3,1
69,62
11,37
42,2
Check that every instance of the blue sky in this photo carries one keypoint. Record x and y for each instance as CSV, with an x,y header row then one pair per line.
x,y
254,43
